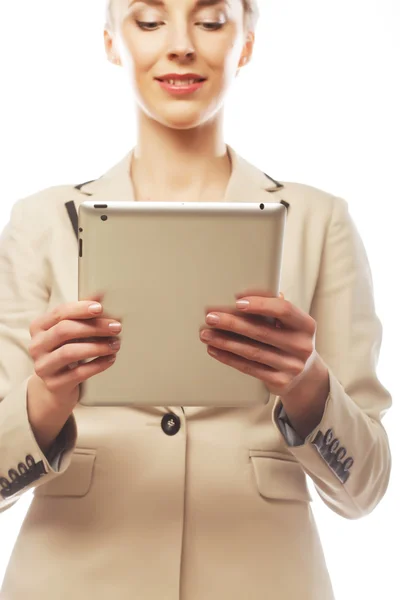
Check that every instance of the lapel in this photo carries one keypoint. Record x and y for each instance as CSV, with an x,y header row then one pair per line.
x,y
115,184
246,184
249,184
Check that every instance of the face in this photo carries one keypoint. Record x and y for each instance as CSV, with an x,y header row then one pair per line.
x,y
180,55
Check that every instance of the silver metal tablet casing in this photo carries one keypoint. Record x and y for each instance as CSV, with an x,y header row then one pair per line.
x,y
159,267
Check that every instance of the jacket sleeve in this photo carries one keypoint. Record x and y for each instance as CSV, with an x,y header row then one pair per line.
x,y
24,295
347,455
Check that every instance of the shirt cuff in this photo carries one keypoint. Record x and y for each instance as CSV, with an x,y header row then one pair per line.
x,y
55,452
291,436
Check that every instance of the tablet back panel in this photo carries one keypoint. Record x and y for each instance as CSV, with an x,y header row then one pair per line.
x,y
158,267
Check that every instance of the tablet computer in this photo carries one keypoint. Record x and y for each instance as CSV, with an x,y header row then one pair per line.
x,y
160,266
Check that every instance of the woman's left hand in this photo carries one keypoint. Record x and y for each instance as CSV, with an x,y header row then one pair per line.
x,y
279,355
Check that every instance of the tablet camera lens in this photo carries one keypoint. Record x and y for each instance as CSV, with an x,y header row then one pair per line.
x,y
262,206
104,217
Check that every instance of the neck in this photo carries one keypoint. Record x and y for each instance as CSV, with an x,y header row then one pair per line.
x,y
173,164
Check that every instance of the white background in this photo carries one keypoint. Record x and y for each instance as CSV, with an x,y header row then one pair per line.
x,y
319,104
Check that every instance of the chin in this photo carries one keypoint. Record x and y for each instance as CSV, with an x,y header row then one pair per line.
x,y
180,121
181,117
181,124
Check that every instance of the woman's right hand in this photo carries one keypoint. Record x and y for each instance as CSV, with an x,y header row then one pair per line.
x,y
61,339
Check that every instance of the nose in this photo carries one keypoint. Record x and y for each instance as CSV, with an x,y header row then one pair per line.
x,y
181,46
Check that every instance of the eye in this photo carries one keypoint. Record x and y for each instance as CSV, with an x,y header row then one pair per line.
x,y
148,25
211,26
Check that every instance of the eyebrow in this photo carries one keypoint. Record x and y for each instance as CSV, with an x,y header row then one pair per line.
x,y
198,4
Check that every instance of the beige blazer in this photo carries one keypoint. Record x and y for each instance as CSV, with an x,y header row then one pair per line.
x,y
220,510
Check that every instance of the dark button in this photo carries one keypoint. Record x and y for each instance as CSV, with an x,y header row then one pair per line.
x,y
334,445
348,463
170,424
328,437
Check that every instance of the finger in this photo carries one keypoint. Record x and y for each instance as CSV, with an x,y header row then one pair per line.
x,y
69,331
229,309
56,361
247,367
253,351
221,308
288,314
84,309
257,330
275,381
79,374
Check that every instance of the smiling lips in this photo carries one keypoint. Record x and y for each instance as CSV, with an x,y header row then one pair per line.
x,y
175,83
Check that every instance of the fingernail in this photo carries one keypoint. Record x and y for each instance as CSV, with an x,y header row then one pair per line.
x,y
111,358
212,352
115,344
242,304
212,319
95,308
206,334
116,327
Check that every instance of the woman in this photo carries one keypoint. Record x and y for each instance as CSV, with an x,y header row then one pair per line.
x,y
217,506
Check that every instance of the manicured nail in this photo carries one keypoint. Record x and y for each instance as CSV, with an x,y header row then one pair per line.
x,y
115,344
241,304
115,327
212,319
95,308
206,334
213,352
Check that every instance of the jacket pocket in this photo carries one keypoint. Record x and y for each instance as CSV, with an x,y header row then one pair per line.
x,y
278,478
76,480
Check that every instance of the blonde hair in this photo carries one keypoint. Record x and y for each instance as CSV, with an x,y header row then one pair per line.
x,y
251,12
250,9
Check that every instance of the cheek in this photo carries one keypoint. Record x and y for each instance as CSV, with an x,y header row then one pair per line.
x,y
140,51
224,63
142,54
221,53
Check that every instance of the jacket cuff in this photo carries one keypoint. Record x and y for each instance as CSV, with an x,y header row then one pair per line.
x,y
285,428
292,438
334,454
23,465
